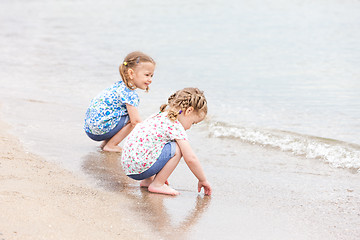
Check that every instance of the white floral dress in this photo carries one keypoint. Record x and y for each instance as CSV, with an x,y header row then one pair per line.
x,y
144,144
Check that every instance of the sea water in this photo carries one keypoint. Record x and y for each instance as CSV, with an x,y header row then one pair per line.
x,y
282,78
275,73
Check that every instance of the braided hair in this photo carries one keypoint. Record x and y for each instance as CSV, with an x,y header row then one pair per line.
x,y
182,100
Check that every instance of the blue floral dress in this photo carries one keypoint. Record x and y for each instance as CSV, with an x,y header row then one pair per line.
x,y
108,107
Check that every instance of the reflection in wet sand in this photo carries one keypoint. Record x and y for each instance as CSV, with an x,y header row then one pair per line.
x,y
159,211
105,169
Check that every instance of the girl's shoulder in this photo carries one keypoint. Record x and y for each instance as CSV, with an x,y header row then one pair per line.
x,y
119,85
161,124
159,117
122,86
165,120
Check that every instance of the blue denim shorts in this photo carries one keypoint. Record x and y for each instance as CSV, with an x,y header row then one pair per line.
x,y
166,154
123,121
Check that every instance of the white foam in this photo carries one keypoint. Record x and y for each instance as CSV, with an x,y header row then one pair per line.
x,y
337,153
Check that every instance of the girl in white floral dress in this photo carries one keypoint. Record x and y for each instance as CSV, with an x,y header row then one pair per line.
x,y
110,112
154,148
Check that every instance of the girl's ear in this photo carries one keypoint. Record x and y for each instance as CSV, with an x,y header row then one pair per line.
x,y
131,73
189,110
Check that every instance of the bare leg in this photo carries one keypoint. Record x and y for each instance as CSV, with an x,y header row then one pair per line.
x,y
103,144
159,185
112,144
146,182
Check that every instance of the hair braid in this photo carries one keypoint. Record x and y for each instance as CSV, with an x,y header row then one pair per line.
x,y
182,100
170,99
173,115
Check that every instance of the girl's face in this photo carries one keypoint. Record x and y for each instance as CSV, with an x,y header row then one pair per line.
x,y
142,75
190,117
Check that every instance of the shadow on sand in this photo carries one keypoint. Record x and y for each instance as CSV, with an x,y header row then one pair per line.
x,y
172,217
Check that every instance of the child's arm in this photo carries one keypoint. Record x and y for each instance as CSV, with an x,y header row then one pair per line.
x,y
133,114
194,164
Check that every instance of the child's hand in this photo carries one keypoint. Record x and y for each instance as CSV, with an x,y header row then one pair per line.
x,y
206,186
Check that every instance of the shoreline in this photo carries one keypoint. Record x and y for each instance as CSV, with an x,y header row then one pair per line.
x,y
40,200
282,196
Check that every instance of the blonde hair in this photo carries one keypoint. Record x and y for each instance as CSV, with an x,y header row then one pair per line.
x,y
182,100
130,62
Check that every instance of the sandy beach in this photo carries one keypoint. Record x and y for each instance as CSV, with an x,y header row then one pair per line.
x,y
279,144
40,200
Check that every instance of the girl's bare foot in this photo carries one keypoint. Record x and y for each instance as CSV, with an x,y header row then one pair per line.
x,y
103,144
164,189
112,148
146,182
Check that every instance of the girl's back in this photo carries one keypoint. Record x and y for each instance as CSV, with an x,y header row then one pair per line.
x,y
154,148
145,143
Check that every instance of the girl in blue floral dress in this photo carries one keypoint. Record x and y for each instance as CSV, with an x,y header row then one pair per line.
x,y
113,113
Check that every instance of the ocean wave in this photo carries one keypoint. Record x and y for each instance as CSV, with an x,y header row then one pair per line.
x,y
336,153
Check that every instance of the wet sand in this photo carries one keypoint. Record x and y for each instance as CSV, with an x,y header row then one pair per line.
x,y
263,194
40,200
